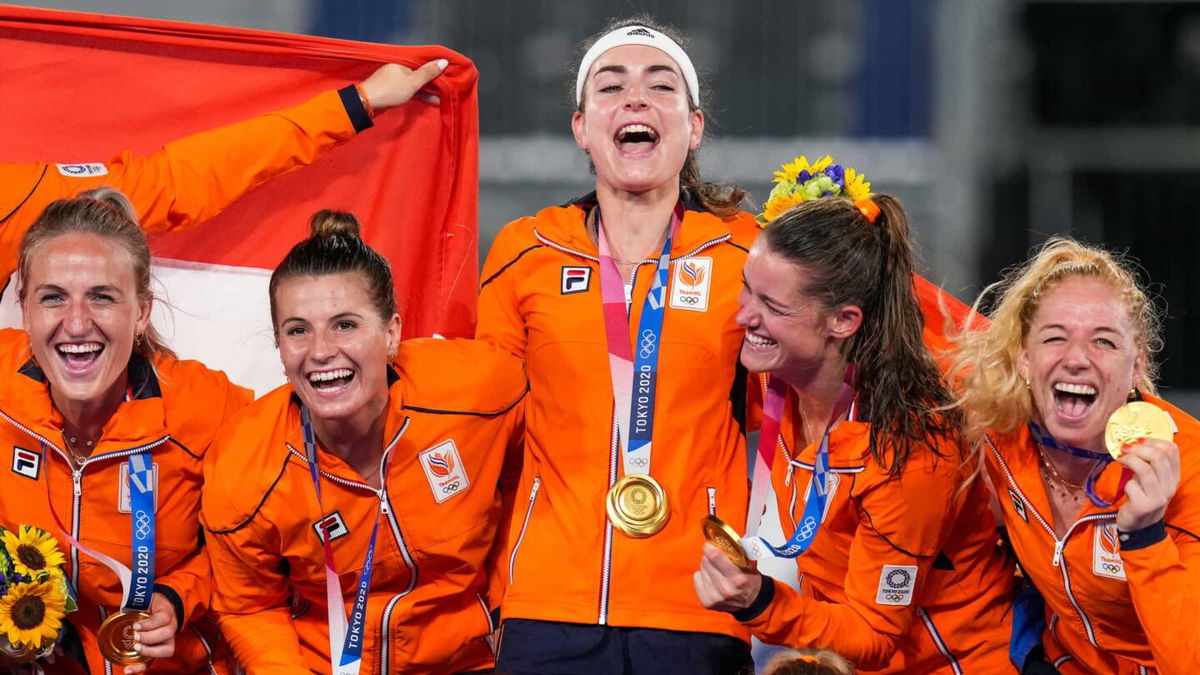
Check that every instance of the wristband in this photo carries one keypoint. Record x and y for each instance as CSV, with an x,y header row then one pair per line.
x,y
1143,538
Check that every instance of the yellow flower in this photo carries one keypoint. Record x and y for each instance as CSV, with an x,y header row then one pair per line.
x,y
856,187
31,613
790,170
33,551
778,204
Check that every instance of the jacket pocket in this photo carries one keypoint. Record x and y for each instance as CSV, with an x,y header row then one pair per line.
x,y
512,559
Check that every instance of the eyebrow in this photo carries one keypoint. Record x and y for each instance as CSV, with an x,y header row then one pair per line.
x,y
1059,326
622,70
766,298
103,288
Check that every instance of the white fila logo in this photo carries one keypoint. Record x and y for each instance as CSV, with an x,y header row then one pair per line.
x,y
576,279
1018,505
82,170
26,462
1106,553
140,484
690,284
896,585
333,524
444,470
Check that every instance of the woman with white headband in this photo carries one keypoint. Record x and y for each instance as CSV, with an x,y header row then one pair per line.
x,y
622,303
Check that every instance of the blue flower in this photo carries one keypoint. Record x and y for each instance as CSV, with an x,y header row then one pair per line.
x,y
837,173
803,176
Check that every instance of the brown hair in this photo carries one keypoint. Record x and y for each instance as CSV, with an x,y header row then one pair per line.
x,y
336,247
106,213
992,391
718,198
853,261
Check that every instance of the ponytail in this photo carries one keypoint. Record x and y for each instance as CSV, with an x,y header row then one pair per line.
x,y
852,260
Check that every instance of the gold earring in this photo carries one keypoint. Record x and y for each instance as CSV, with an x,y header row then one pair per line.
x,y
1027,383
1133,394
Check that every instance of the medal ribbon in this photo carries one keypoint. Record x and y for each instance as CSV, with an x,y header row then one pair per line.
x,y
758,547
634,376
137,584
345,634
768,436
1103,459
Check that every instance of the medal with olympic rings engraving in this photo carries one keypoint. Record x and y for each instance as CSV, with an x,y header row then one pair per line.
x,y
116,638
726,539
637,505
1134,420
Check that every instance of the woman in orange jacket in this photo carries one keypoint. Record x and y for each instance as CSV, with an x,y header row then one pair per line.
x,y
637,279
220,165
105,432
1112,546
351,511
895,543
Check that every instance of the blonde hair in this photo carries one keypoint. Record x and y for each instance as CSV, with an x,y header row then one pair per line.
x,y
990,387
107,213
808,662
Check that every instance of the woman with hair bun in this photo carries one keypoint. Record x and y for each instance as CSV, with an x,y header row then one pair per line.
x,y
350,511
1099,477
892,533
107,431
622,304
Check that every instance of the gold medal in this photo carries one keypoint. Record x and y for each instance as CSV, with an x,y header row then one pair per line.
x,y
1134,420
637,505
116,638
725,538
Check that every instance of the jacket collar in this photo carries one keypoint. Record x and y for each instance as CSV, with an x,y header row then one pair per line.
x,y
566,227
137,421
330,463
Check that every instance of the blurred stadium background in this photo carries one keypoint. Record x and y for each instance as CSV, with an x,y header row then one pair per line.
x,y
999,122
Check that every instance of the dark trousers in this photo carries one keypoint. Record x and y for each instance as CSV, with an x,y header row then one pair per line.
x,y
530,647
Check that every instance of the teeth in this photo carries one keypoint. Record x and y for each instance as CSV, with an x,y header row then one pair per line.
x,y
79,349
328,375
759,341
636,128
1069,388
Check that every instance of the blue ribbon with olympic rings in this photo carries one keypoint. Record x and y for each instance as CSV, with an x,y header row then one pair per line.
x,y
346,657
818,490
142,518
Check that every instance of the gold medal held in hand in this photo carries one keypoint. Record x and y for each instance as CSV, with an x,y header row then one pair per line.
x,y
726,539
116,638
1134,420
637,505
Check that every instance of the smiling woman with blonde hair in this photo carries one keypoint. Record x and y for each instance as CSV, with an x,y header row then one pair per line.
x,y
1113,546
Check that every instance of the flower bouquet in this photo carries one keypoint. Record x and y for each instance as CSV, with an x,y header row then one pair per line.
x,y
34,594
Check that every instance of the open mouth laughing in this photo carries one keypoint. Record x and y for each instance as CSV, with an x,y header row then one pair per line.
x,y
636,138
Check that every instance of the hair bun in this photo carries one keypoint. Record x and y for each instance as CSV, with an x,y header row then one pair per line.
x,y
327,223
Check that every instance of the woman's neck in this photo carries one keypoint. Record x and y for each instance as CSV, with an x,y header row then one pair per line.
x,y
635,224
356,440
85,420
817,392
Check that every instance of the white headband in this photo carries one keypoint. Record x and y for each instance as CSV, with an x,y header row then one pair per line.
x,y
639,35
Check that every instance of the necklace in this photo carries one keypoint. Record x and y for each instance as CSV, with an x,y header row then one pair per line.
x,y
1068,488
72,443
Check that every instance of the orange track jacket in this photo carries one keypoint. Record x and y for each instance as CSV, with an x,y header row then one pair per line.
x,y
176,410
1111,607
905,575
458,400
188,181
540,299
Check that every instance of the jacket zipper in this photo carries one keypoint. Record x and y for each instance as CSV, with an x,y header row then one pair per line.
x,y
385,508
491,627
606,562
1059,544
512,559
712,501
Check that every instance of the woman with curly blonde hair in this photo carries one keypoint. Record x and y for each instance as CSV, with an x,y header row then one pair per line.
x,y
1113,546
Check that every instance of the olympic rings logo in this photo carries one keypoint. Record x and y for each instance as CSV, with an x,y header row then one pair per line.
x,y
1111,568
640,462
649,344
808,528
451,487
141,524
893,597
689,300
